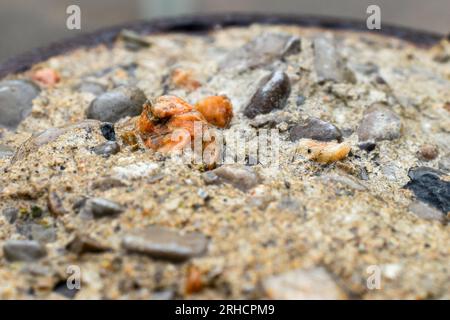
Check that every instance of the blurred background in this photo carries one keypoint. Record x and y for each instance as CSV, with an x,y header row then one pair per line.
x,y
26,24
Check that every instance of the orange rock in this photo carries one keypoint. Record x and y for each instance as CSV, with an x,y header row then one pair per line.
x,y
194,281
184,79
167,106
46,76
187,121
217,110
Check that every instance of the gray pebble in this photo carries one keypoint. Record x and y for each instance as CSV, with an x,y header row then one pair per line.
x,y
444,163
241,177
16,97
23,250
11,214
43,234
262,50
314,128
163,243
6,152
426,211
106,149
271,95
91,87
116,104
379,123
328,63
81,244
99,207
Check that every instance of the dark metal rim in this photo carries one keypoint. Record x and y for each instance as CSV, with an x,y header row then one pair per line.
x,y
202,23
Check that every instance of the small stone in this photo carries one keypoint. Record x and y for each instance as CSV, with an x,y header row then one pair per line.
x,y
345,180
99,208
106,149
428,152
108,131
55,205
271,120
379,123
135,171
262,50
241,177
107,184
300,100
6,152
429,188
47,77
163,243
91,87
16,97
116,104
10,214
426,211
81,244
62,288
328,63
303,284
368,146
273,94
43,234
444,163
23,250
316,129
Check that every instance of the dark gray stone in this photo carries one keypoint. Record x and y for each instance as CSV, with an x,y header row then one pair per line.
x,y
262,50
16,97
99,208
271,95
444,163
116,104
314,128
379,123
23,250
81,244
106,149
167,244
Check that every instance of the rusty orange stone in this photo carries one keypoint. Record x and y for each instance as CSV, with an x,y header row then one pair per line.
x,y
46,76
217,110
167,106
194,281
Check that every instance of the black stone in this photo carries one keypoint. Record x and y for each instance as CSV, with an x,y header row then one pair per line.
x,y
429,187
108,131
367,146
271,95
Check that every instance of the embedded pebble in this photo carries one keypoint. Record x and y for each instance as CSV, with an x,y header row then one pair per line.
x,y
16,97
368,146
429,188
444,163
303,284
43,234
271,95
10,214
23,250
6,152
99,208
379,123
108,131
241,177
328,63
166,244
135,170
106,149
81,244
428,152
346,180
94,88
116,104
426,211
262,50
316,129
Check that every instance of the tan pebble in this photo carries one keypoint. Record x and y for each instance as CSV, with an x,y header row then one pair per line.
x,y
324,152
